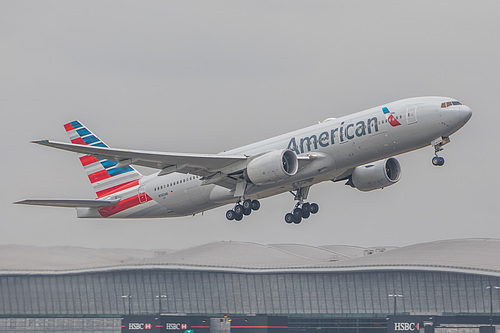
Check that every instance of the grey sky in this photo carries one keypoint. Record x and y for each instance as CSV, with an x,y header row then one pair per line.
x,y
207,76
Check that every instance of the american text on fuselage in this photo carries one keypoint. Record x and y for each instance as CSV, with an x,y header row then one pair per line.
x,y
337,134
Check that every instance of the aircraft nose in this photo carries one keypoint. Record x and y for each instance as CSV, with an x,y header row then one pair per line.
x,y
465,113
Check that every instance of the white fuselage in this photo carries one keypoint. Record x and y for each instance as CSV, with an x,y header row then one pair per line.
x,y
341,145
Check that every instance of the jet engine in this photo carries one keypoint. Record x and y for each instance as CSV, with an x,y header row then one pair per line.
x,y
272,167
376,175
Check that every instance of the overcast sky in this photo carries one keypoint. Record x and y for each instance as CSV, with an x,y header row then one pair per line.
x,y
207,76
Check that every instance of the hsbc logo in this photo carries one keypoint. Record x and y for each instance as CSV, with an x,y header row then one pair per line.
x,y
175,326
408,327
139,326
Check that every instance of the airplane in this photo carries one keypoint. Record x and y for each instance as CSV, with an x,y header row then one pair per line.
x,y
358,149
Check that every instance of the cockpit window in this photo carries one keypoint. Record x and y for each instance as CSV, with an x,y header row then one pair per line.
x,y
444,105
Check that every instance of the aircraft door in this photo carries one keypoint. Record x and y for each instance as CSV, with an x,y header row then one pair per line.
x,y
411,115
143,197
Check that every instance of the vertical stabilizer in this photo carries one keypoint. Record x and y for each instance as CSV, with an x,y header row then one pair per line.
x,y
103,174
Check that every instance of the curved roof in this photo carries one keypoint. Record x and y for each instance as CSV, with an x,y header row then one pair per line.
x,y
464,255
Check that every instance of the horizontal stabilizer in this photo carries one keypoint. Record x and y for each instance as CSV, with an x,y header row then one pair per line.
x,y
71,203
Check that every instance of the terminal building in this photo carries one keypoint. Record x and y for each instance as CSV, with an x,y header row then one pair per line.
x,y
249,287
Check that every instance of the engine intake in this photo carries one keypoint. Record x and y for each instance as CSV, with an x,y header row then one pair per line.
x,y
376,175
272,167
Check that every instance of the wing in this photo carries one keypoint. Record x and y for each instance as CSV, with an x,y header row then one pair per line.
x,y
216,168
71,203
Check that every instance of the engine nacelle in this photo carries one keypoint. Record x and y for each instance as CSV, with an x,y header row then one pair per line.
x,y
272,167
376,175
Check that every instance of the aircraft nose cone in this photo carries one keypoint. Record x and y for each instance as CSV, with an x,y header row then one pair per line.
x,y
465,113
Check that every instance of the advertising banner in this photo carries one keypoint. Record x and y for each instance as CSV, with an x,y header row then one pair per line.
x,y
148,324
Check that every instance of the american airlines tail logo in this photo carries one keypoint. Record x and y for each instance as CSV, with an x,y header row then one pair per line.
x,y
390,117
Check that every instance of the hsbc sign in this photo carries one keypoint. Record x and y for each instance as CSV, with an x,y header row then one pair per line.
x,y
158,324
408,324
139,326
175,326
406,327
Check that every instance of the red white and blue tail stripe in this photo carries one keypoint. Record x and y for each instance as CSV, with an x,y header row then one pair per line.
x,y
105,177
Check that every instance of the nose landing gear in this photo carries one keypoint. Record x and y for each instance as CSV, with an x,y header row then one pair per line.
x,y
437,161
438,146
241,209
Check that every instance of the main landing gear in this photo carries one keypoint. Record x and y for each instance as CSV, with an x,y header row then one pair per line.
x,y
301,212
241,209
438,146
302,209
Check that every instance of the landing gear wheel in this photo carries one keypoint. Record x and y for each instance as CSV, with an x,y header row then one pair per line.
x,y
289,218
302,210
230,215
437,161
255,205
306,208
238,217
247,211
314,208
297,215
238,209
247,204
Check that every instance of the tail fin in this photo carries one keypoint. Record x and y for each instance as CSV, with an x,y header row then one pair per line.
x,y
103,174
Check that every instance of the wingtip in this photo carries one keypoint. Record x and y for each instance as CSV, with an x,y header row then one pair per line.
x,y
40,142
